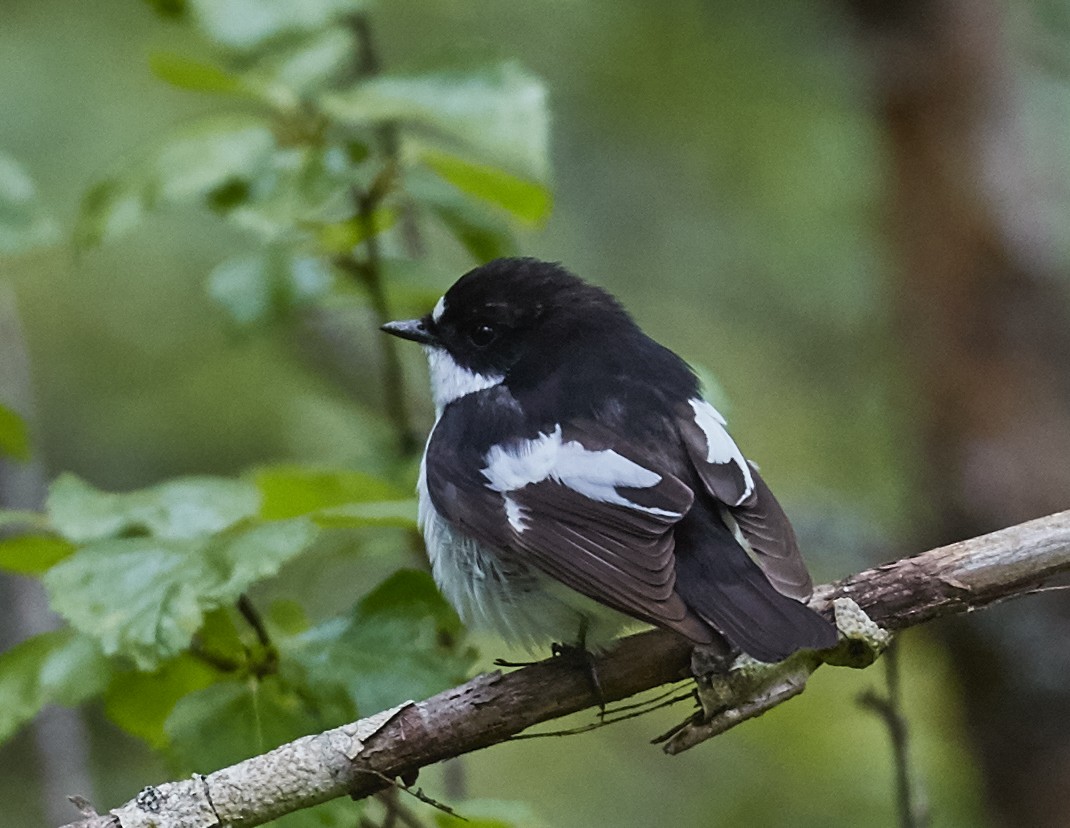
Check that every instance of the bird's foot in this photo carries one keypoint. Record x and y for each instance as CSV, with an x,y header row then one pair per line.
x,y
584,658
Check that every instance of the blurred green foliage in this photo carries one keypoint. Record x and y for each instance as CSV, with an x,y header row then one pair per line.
x,y
713,164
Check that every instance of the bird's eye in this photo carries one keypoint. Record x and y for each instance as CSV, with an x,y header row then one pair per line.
x,y
482,334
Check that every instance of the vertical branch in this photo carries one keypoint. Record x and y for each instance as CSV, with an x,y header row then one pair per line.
x,y
60,736
912,811
369,271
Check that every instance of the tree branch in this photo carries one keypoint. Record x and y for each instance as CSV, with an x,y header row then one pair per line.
x,y
357,759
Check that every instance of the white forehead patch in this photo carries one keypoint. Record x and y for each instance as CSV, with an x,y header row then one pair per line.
x,y
720,447
440,308
593,474
449,381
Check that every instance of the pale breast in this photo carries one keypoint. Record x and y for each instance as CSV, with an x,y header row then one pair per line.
x,y
492,589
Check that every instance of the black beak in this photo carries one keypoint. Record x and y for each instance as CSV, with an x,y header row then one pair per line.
x,y
415,330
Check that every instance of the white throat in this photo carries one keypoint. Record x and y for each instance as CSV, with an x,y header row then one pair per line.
x,y
449,381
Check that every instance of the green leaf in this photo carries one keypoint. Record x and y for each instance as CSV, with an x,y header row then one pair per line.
x,y
188,73
146,597
490,813
58,667
23,222
32,554
528,200
401,642
248,24
499,113
172,9
285,75
291,491
208,154
23,518
483,235
109,209
400,513
14,436
343,236
261,287
483,241
140,702
187,507
230,721
194,164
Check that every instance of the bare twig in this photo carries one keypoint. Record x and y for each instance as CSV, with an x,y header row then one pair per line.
x,y
912,812
355,759
369,270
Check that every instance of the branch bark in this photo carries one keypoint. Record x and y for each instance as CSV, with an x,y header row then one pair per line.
x,y
361,758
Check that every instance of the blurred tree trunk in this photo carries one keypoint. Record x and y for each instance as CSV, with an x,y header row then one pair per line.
x,y
986,324
60,736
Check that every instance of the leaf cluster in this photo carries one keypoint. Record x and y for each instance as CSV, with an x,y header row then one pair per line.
x,y
339,176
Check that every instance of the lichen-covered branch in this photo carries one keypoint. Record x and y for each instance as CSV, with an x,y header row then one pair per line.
x,y
361,758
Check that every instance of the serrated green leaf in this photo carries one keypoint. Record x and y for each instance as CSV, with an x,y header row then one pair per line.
x,y
498,113
32,554
401,642
260,287
188,73
146,597
527,200
140,702
248,24
187,507
14,436
230,721
291,491
23,222
58,667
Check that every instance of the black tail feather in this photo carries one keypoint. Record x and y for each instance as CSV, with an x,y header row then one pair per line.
x,y
720,583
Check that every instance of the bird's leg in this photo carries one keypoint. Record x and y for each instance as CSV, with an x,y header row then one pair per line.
x,y
579,652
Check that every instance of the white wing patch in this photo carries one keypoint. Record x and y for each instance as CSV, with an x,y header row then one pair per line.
x,y
720,447
593,474
449,381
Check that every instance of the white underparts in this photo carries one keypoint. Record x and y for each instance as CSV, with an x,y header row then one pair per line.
x,y
450,381
493,589
720,447
592,474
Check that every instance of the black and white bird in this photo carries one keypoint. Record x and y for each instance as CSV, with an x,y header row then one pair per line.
x,y
575,479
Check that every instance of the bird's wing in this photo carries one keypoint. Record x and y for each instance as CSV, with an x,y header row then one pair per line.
x,y
748,506
571,501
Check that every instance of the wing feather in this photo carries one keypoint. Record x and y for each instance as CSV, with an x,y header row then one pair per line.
x,y
747,503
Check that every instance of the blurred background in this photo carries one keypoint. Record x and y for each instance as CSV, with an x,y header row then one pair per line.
x,y
852,214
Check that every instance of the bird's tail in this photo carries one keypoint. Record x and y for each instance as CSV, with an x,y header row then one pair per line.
x,y
721,584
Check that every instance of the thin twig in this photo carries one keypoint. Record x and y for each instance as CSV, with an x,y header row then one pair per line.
x,y
252,616
417,793
370,270
641,710
912,813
